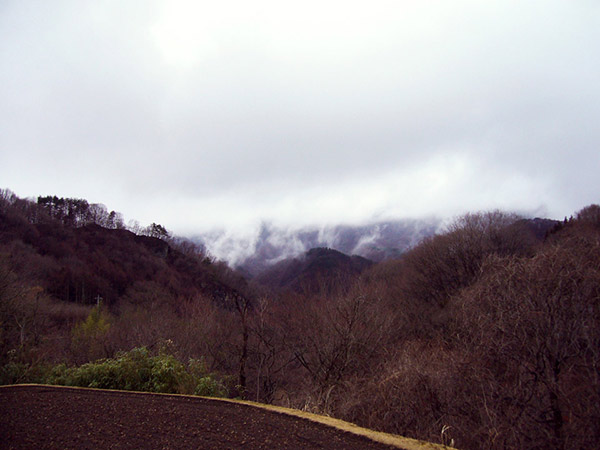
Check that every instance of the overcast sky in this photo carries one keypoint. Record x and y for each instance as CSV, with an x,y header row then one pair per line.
x,y
224,113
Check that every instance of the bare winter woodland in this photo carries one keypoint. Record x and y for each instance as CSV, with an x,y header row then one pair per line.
x,y
484,336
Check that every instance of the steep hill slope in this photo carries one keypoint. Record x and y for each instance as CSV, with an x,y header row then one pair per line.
x,y
87,263
319,269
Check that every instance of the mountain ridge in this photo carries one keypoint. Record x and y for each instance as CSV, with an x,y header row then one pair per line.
x,y
315,270
271,244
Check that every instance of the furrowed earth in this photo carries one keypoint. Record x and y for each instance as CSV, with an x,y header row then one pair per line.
x,y
51,417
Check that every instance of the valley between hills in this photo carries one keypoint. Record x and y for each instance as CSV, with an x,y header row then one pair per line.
x,y
482,333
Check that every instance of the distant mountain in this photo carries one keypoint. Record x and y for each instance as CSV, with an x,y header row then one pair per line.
x,y
318,270
258,251
270,244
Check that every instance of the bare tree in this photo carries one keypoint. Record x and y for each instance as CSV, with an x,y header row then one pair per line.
x,y
335,339
533,325
442,265
269,354
590,214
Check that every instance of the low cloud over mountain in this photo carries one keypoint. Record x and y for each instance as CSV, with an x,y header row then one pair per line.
x,y
269,244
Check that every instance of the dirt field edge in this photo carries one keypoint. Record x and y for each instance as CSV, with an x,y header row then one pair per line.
x,y
397,441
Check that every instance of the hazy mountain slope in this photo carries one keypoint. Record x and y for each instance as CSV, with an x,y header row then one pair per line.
x,y
270,244
319,269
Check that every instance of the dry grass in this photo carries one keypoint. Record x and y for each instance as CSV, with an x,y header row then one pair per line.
x,y
400,442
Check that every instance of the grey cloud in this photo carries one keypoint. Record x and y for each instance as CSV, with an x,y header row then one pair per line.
x,y
204,114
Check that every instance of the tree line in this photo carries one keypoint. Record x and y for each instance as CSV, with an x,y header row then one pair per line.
x,y
77,212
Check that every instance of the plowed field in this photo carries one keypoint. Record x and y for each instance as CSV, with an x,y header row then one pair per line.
x,y
44,417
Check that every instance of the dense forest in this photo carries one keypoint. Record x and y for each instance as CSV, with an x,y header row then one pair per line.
x,y
486,335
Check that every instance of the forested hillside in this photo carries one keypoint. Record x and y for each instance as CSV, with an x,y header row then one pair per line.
x,y
486,335
79,253
318,270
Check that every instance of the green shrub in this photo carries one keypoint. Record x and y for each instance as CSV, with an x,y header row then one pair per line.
x,y
168,374
57,375
17,372
135,370
12,373
210,387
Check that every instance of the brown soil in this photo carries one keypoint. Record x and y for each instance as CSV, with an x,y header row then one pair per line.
x,y
45,417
